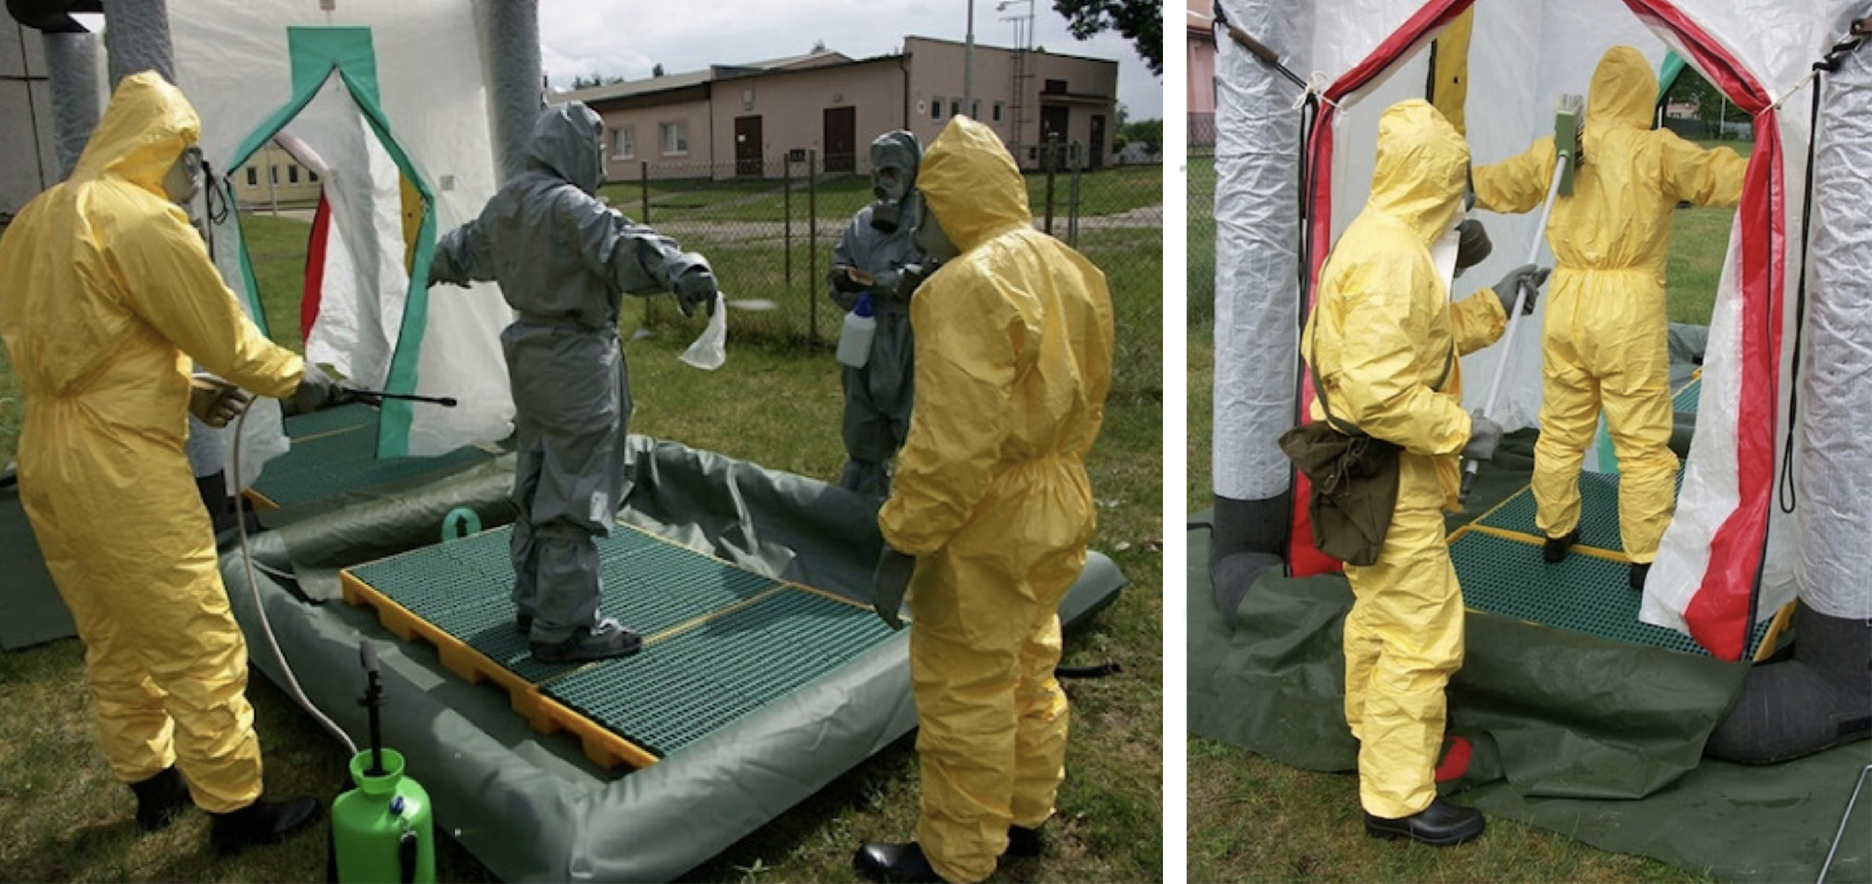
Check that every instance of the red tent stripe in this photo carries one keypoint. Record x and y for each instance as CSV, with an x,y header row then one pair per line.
x,y
315,267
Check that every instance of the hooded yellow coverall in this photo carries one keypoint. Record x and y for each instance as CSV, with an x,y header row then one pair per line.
x,y
1013,361
106,293
1382,333
1606,338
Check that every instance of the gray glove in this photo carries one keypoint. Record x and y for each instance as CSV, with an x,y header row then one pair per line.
x,y
1484,436
216,402
1527,274
696,288
316,390
889,583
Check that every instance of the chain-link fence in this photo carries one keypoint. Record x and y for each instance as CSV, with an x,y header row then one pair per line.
x,y
1201,226
769,230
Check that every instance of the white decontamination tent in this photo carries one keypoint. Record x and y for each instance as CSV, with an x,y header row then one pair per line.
x,y
1777,490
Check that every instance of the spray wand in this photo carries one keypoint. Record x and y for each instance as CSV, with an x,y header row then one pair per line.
x,y
373,703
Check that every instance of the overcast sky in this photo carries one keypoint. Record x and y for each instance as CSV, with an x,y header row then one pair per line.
x,y
624,38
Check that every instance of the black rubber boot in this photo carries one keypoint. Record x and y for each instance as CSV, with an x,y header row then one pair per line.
x,y
610,640
160,799
1442,824
262,822
895,862
1555,549
1639,571
1023,843
523,623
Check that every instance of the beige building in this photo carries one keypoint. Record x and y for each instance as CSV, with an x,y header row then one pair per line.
x,y
746,120
271,176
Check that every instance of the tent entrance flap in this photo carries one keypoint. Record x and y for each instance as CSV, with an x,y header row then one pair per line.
x,y
375,232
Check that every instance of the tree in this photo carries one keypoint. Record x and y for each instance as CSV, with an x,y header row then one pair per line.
x,y
1146,132
1140,21
656,70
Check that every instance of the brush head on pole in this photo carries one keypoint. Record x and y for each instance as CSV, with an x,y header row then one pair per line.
x,y
1569,124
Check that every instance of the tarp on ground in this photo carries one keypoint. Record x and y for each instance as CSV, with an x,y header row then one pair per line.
x,y
487,770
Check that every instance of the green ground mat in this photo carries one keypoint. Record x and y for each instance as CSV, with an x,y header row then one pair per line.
x,y
1598,740
334,452
721,640
1687,396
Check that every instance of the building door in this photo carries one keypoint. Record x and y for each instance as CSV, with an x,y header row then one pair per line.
x,y
747,146
1053,130
1095,154
841,139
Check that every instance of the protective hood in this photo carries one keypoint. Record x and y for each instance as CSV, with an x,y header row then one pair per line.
x,y
896,150
972,185
567,143
146,126
1624,89
1420,168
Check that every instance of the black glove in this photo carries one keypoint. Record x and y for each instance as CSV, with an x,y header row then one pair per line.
x,y
697,288
889,583
215,402
912,276
1484,436
842,280
316,391
1533,276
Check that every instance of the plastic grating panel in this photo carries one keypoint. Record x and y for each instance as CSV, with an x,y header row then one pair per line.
x,y
1582,594
335,451
464,588
1686,398
690,684
1599,518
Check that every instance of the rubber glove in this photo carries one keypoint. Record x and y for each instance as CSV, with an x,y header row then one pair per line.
x,y
889,583
214,401
316,390
1484,436
697,288
1529,274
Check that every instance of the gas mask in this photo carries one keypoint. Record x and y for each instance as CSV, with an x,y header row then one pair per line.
x,y
1464,245
894,158
183,182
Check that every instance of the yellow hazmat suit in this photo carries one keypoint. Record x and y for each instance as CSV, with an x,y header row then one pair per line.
x,y
1013,361
1606,338
106,293
1382,334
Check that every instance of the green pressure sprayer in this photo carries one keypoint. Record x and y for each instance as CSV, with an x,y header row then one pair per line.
x,y
384,830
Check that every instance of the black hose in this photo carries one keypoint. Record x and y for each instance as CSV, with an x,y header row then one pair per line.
x,y
1098,670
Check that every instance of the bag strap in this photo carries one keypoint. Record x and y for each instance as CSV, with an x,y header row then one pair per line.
x,y
1319,387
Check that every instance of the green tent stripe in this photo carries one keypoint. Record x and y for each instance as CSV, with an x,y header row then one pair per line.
x,y
1667,75
316,51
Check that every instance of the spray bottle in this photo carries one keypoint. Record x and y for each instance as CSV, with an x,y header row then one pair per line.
x,y
854,346
384,830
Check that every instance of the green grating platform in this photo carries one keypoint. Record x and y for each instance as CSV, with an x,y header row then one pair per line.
x,y
1584,593
1599,520
720,641
1687,396
335,451
693,683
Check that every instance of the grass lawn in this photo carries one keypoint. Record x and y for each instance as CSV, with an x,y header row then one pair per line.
x,y
1251,819
63,817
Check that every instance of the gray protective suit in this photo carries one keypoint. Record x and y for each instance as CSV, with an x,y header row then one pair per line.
x,y
878,396
563,260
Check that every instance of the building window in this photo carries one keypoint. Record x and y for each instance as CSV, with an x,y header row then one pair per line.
x,y
272,174
1054,87
955,106
292,174
675,138
253,177
312,176
623,142
975,108
998,107
936,108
